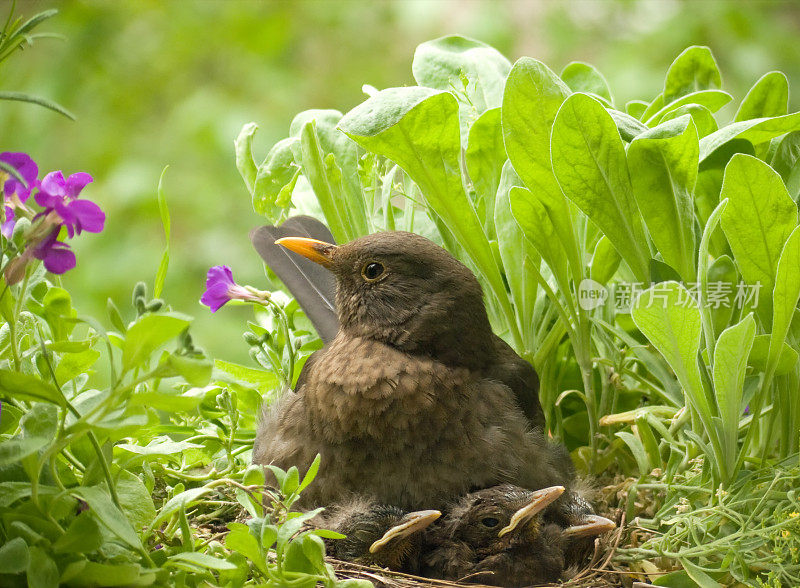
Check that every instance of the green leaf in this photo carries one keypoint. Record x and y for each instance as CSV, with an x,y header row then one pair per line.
x,y
605,261
200,560
163,211
196,371
443,63
629,128
484,157
135,499
759,355
182,500
768,97
637,449
758,220
418,129
785,297
295,560
245,163
82,536
520,260
663,164
108,513
670,319
148,333
756,131
22,97
589,162
703,120
14,556
24,387
532,217
42,570
74,364
278,171
241,541
784,161
730,363
106,574
310,474
583,77
293,525
532,98
693,70
698,575
712,100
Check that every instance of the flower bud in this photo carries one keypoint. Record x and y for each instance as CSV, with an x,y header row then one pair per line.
x,y
19,235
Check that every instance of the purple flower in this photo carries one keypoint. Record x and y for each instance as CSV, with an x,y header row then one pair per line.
x,y
7,229
59,195
27,168
220,288
57,256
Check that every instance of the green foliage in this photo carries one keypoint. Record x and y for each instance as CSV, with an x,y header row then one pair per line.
x,y
541,185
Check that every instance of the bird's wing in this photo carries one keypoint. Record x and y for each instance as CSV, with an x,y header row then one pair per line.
x,y
519,375
313,286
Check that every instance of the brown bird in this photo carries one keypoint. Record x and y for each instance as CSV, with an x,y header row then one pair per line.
x,y
415,400
498,536
377,534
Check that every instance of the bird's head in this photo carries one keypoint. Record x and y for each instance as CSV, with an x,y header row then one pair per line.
x,y
497,518
404,290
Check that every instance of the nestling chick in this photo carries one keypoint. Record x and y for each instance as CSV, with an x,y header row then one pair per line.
x,y
377,534
498,536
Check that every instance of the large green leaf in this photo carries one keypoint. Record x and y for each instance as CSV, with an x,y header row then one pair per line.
x,y
730,363
758,220
108,514
418,129
784,297
769,96
589,162
663,164
485,156
584,77
693,70
148,334
756,131
445,64
520,260
531,101
670,319
540,232
24,387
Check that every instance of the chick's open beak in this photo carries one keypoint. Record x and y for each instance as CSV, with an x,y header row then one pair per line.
x,y
317,251
539,501
591,526
412,523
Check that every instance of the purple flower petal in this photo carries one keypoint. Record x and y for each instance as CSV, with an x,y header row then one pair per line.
x,y
7,228
219,282
54,184
57,256
76,183
27,168
81,215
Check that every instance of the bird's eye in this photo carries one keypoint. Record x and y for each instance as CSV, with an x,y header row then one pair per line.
x,y
372,271
490,522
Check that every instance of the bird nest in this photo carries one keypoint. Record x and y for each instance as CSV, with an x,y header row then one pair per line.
x,y
599,572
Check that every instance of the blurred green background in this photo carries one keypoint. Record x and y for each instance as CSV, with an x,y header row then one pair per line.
x,y
157,83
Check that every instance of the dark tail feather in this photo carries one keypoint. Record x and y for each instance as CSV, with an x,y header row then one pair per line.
x,y
313,286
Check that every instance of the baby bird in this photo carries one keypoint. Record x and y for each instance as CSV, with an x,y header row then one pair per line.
x,y
377,534
498,536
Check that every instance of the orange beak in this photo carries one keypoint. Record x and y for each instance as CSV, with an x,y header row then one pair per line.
x,y
317,251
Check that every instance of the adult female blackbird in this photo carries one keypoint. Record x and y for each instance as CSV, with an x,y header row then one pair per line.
x,y
377,534
415,400
498,536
